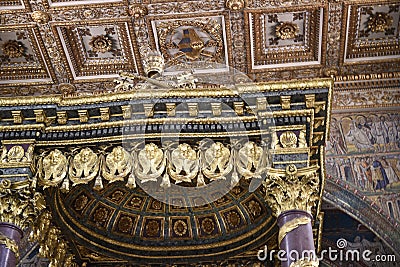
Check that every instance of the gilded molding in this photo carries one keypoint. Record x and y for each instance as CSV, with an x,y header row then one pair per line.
x,y
305,263
51,245
9,244
290,226
168,93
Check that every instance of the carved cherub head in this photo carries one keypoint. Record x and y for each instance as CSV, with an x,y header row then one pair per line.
x,y
118,153
151,150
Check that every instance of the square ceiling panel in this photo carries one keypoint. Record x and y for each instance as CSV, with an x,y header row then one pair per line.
x,y
97,50
23,59
192,42
285,38
372,32
71,3
13,5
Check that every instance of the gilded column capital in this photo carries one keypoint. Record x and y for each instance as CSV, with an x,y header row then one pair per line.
x,y
19,204
51,244
292,188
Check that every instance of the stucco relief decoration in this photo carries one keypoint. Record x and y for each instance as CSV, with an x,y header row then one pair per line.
x,y
101,43
286,30
40,17
380,22
191,40
13,49
137,11
235,5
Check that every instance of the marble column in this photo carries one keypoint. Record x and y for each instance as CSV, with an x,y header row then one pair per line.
x,y
10,236
292,194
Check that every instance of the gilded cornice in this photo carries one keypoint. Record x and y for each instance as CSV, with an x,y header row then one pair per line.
x,y
167,93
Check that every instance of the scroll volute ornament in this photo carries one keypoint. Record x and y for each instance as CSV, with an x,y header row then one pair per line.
x,y
292,188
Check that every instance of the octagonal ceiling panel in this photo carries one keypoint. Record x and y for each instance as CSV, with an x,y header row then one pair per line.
x,y
97,50
22,57
192,42
372,32
282,38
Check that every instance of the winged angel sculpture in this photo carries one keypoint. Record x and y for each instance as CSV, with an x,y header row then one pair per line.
x,y
52,169
151,163
183,164
218,162
118,164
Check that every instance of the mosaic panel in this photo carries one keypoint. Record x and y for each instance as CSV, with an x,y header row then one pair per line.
x,y
364,153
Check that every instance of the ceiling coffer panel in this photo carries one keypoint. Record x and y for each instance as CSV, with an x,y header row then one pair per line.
x,y
23,58
201,42
97,50
372,32
286,38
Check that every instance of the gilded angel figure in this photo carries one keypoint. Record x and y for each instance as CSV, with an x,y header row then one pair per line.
x,y
249,159
54,166
118,164
217,159
183,163
84,166
151,163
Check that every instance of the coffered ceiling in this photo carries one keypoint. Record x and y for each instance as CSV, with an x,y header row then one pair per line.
x,y
63,46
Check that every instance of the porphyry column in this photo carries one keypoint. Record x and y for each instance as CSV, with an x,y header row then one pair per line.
x,y
292,193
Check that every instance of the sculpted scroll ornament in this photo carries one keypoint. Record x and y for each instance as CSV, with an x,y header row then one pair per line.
x,y
292,188
16,154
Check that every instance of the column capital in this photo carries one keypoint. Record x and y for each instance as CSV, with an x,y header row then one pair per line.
x,y
19,203
292,188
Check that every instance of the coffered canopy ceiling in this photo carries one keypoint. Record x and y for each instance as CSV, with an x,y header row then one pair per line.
x,y
65,46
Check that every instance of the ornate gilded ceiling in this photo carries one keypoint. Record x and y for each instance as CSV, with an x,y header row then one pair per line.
x,y
49,47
